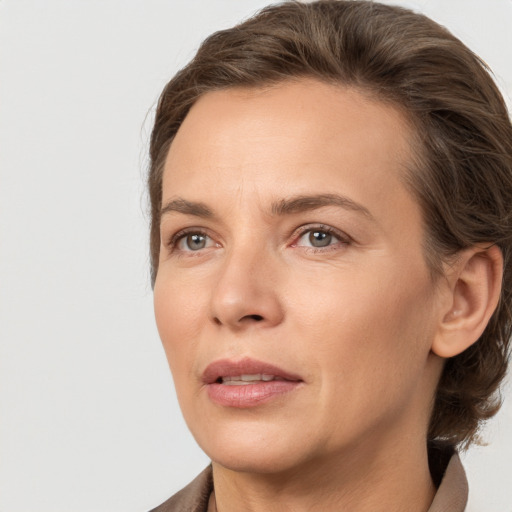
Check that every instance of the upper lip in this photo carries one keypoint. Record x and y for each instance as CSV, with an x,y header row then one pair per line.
x,y
245,366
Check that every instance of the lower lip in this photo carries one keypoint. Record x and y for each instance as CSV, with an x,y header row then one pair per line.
x,y
249,395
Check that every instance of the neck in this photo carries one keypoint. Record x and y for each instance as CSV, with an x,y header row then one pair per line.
x,y
362,481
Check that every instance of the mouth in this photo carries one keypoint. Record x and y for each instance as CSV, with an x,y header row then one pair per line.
x,y
247,382
245,371
244,380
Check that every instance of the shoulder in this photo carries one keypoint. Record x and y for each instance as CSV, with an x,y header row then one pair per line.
x,y
192,498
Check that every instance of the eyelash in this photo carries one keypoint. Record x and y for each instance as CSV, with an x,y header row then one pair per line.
x,y
177,237
342,238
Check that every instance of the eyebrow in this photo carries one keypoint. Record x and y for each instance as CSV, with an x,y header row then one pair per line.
x,y
303,203
180,205
283,207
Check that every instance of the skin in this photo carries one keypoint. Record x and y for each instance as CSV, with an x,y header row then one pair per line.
x,y
356,319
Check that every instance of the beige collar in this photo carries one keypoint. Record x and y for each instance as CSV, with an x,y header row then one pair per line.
x,y
452,494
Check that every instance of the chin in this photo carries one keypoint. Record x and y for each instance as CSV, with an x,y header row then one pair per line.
x,y
263,462
251,450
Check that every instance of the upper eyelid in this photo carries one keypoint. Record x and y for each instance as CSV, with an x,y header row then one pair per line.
x,y
187,231
297,232
173,239
342,235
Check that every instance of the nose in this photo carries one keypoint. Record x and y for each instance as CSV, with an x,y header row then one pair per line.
x,y
246,293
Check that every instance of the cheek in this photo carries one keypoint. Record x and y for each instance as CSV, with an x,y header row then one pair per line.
x,y
178,314
369,327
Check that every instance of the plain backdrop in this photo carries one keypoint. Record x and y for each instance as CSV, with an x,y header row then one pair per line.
x,y
88,418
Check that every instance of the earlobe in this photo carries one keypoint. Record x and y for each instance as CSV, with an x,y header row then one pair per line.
x,y
474,285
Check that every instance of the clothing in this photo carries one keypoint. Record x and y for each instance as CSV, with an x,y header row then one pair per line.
x,y
451,495
192,498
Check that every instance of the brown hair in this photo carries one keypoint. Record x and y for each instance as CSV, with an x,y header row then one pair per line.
x,y
463,171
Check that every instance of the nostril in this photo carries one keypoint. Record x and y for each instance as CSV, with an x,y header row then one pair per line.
x,y
254,318
257,318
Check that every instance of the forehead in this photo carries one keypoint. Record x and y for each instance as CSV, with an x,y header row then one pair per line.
x,y
299,125
241,151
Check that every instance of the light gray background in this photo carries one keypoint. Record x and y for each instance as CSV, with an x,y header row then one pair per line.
x,y
88,418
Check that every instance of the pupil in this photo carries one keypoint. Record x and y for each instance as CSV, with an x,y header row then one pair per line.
x,y
196,242
320,238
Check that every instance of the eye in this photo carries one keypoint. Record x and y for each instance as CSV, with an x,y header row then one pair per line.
x,y
192,241
319,237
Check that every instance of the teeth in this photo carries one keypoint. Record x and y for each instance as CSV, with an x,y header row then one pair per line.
x,y
243,380
250,378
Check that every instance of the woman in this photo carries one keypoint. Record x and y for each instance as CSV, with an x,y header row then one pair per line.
x,y
330,187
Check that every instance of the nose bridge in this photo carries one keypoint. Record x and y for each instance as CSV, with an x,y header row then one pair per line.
x,y
245,291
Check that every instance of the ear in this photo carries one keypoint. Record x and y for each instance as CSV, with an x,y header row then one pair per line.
x,y
474,287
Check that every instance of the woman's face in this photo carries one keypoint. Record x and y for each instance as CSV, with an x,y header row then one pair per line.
x,y
292,297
